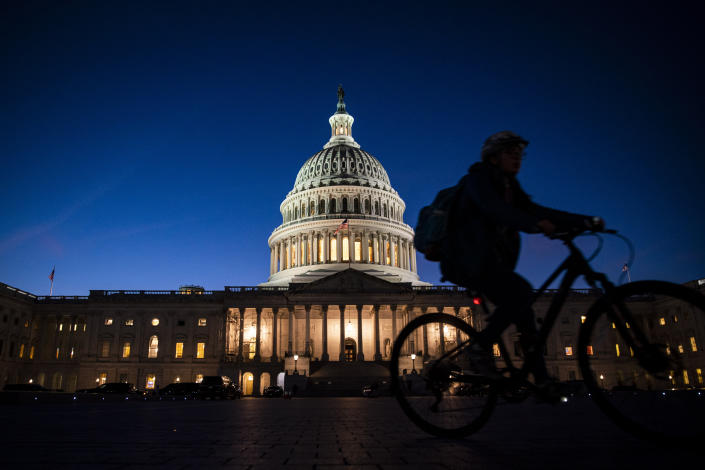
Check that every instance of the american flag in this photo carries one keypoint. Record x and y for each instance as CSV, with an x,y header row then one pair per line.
x,y
51,276
342,226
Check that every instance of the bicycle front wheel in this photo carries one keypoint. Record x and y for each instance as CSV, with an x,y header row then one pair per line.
x,y
641,356
432,377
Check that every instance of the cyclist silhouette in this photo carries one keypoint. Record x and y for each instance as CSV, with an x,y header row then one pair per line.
x,y
482,246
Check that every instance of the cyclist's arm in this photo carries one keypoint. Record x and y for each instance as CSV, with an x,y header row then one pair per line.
x,y
564,220
485,197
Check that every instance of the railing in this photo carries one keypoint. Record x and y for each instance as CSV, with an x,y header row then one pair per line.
x,y
95,293
351,216
48,298
256,289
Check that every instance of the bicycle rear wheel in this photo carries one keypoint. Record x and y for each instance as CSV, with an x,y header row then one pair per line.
x,y
432,377
641,356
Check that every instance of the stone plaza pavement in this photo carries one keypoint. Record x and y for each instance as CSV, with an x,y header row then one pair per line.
x,y
313,433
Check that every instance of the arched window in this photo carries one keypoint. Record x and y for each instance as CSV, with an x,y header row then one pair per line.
x,y
296,213
332,208
367,206
345,204
153,347
376,207
391,209
356,206
311,208
384,207
321,206
303,209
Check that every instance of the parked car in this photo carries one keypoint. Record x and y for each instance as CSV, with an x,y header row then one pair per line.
x,y
180,391
112,388
24,388
381,387
273,391
216,387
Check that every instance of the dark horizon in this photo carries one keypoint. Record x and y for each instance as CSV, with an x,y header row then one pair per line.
x,y
149,146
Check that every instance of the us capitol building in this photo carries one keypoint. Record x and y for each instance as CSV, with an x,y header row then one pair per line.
x,y
343,281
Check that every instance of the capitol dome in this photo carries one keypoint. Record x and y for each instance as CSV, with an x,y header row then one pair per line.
x,y
342,213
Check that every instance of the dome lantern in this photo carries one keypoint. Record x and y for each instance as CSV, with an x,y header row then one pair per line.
x,y
341,125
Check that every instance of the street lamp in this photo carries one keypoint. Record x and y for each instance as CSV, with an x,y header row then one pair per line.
x,y
413,367
296,358
602,381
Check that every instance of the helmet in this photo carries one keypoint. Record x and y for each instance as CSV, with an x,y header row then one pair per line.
x,y
500,140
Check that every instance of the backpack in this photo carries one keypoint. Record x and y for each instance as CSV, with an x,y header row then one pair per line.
x,y
433,225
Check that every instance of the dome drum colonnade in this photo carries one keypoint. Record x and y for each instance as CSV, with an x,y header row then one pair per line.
x,y
342,182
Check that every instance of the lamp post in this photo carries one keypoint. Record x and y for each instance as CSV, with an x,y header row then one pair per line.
x,y
413,367
296,359
602,381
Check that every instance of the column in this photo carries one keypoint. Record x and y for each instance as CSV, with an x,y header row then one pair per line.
x,y
290,348
380,248
241,334
326,247
258,337
425,339
412,337
375,311
275,356
314,248
351,245
393,309
441,335
360,354
307,343
456,313
339,246
341,308
324,350
413,258
392,256
309,254
365,243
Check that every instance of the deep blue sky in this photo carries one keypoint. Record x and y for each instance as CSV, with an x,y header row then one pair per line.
x,y
149,146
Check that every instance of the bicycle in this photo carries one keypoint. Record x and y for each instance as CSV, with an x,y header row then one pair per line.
x,y
447,396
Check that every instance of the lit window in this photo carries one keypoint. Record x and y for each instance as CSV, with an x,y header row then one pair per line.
x,y
71,353
105,350
58,351
103,378
320,250
129,322
686,380
693,346
108,322
153,347
627,323
199,378
179,351
202,322
699,373
126,350
26,324
21,350
31,352
631,351
675,319
582,318
590,351
616,348
155,321
613,326
151,379
358,250
75,326
662,321
388,256
668,349
84,327
346,249
680,349
569,350
495,350
333,249
61,327
200,350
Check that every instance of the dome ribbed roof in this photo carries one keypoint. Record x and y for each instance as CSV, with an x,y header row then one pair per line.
x,y
341,165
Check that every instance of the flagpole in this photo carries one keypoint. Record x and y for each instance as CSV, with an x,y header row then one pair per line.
x,y
51,278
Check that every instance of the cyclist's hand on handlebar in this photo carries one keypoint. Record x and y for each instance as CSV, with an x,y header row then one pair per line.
x,y
595,224
546,226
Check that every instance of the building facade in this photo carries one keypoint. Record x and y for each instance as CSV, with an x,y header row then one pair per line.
x,y
343,282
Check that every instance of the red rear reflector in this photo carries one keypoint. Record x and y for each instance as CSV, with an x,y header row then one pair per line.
x,y
477,301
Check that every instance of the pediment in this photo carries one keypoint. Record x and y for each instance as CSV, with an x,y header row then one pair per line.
x,y
351,281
